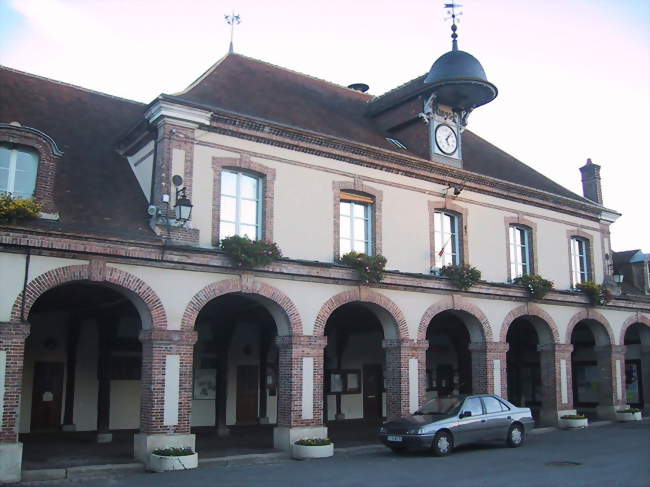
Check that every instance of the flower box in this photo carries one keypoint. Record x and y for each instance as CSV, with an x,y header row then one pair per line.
x,y
302,452
628,416
571,423
163,463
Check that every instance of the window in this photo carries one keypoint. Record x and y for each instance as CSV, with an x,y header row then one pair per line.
x,y
492,405
18,166
580,261
241,205
520,251
356,215
446,239
474,406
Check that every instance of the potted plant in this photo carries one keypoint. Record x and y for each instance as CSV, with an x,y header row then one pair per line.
x,y
369,267
571,421
535,284
15,209
244,252
312,448
463,276
629,414
597,294
173,458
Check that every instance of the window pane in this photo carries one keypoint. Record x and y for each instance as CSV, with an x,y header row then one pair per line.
x,y
248,212
27,161
249,231
228,183
345,227
247,186
345,246
473,405
345,208
226,230
4,157
359,210
491,405
359,229
359,246
228,208
4,178
24,184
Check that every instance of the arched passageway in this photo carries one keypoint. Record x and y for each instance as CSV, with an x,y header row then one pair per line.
x,y
637,365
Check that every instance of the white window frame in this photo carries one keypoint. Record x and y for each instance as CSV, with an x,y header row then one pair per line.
x,y
580,260
447,240
238,198
520,251
368,210
12,169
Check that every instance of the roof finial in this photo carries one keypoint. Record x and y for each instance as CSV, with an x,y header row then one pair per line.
x,y
232,20
453,15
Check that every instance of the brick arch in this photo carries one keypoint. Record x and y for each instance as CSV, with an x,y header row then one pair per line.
x,y
96,271
454,303
363,295
635,318
246,285
588,314
529,310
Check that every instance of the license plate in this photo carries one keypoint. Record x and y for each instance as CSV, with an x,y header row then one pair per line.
x,y
394,438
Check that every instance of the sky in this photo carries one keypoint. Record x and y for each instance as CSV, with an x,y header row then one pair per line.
x,y
573,75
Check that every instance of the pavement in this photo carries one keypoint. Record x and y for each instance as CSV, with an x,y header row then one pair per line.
x,y
610,455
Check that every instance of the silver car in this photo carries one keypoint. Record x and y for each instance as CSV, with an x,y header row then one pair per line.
x,y
446,422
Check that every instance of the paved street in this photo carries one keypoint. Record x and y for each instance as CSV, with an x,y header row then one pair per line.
x,y
608,456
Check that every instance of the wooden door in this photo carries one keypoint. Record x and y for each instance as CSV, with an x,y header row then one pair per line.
x,y
373,385
47,395
247,389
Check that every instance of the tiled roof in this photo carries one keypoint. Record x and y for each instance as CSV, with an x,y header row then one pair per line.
x,y
96,190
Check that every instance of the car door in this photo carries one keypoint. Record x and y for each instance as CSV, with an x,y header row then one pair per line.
x,y
497,420
469,429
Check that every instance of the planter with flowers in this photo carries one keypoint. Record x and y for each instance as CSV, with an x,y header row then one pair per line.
x,y
369,267
312,448
13,209
629,414
571,421
462,276
535,284
167,459
597,294
247,253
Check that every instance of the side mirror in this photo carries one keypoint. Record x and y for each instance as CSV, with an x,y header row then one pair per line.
x,y
465,414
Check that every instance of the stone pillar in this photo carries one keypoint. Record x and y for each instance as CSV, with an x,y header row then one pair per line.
x,y
557,388
645,378
12,350
300,390
489,368
611,365
406,363
165,391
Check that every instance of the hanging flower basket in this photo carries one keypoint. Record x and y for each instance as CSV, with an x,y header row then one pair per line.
x,y
247,253
463,276
369,267
597,294
535,284
13,209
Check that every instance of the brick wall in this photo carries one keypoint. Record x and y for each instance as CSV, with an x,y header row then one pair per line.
x,y
12,341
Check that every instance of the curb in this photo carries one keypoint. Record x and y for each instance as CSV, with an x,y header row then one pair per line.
x,y
83,472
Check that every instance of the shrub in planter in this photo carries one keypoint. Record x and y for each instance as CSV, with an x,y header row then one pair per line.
x,y
244,252
629,414
312,448
596,293
574,421
174,458
463,276
15,209
535,284
369,267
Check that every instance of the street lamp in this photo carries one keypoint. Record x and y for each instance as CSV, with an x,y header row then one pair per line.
x,y
183,207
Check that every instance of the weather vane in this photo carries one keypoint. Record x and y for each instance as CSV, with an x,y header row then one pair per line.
x,y
232,20
453,15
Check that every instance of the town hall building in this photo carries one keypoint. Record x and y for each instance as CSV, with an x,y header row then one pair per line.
x,y
119,311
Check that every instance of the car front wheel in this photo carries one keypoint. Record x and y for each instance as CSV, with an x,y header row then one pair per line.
x,y
515,436
442,444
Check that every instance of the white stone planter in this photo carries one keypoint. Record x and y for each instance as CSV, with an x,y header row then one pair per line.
x,y
302,452
159,463
628,416
573,423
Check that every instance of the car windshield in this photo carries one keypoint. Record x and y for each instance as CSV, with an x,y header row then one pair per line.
x,y
442,405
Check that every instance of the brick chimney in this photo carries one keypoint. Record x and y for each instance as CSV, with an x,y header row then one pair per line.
x,y
591,182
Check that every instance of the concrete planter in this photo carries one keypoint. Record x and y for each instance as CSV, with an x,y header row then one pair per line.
x,y
628,416
159,463
301,452
573,423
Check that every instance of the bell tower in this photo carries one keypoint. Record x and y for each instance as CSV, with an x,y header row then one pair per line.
x,y
454,86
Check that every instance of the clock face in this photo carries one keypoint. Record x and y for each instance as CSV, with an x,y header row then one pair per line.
x,y
446,139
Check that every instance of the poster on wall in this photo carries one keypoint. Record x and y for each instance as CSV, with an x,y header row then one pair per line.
x,y
205,383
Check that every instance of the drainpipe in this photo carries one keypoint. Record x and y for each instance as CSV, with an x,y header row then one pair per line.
x,y
22,301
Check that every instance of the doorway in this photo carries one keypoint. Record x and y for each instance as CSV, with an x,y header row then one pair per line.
x,y
47,396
